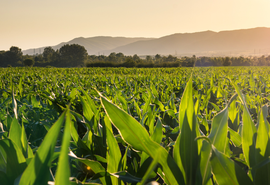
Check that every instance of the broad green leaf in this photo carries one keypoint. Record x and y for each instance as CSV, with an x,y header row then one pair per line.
x,y
205,165
88,114
182,113
262,175
248,132
113,155
63,171
235,137
134,134
15,133
157,135
12,161
151,119
186,147
24,142
76,138
186,105
27,151
39,165
91,104
233,115
218,138
248,138
226,171
219,130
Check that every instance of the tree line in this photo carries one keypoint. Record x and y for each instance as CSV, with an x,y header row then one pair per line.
x,y
74,55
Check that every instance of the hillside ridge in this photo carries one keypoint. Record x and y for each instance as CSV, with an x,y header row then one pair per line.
x,y
253,41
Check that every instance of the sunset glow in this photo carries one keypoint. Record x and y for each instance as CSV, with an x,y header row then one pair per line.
x,y
29,24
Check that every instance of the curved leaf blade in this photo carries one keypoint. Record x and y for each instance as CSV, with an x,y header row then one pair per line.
x,y
39,165
63,171
227,171
134,134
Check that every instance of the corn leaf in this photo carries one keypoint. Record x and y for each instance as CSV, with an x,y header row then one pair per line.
x,y
12,160
113,155
186,147
63,171
39,165
248,133
15,133
134,134
226,171
262,175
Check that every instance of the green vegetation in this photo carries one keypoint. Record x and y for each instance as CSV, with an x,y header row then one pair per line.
x,y
227,61
29,62
75,55
134,126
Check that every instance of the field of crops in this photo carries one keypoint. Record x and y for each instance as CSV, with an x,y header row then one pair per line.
x,y
134,126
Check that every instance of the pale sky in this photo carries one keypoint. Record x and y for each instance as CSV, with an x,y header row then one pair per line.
x,y
37,23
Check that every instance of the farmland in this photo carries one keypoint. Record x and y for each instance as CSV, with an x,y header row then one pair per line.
x,y
134,126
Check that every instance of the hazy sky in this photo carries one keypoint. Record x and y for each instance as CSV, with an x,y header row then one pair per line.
x,y
36,23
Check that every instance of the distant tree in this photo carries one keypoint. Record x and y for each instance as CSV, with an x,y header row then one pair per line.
x,y
72,55
171,58
129,62
148,58
14,55
136,58
187,62
120,57
227,61
16,51
38,58
102,57
157,57
163,59
112,57
48,54
2,58
55,57
28,62
262,61
268,60
92,58
194,60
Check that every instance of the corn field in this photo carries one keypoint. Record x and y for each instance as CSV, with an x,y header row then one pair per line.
x,y
201,126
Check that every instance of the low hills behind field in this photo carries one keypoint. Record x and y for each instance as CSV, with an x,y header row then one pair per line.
x,y
245,42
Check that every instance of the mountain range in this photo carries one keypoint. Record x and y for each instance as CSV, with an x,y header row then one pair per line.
x,y
244,42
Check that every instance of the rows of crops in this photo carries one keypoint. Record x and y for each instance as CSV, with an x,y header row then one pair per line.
x,y
134,126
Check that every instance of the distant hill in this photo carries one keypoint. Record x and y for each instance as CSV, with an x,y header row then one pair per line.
x,y
255,41
236,42
93,45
